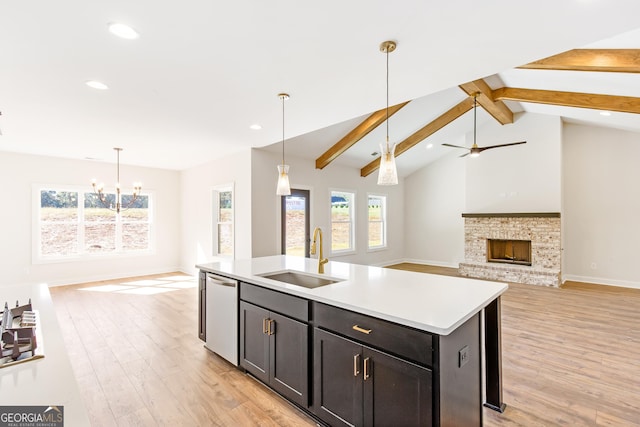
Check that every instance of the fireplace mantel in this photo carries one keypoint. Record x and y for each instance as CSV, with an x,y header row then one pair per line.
x,y
513,215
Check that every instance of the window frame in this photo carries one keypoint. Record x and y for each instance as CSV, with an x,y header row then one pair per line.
x,y
82,254
352,215
384,221
215,193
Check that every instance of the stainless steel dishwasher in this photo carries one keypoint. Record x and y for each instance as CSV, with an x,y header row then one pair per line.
x,y
222,317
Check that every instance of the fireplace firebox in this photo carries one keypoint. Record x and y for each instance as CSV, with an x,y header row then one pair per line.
x,y
509,251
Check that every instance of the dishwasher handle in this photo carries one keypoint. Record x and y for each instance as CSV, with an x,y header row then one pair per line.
x,y
221,281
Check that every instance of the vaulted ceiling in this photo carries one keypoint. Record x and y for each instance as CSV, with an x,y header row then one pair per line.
x,y
202,72
597,86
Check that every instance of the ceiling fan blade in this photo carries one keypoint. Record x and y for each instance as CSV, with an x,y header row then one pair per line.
x,y
501,145
465,154
455,146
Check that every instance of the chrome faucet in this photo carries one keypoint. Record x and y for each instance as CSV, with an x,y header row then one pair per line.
x,y
321,261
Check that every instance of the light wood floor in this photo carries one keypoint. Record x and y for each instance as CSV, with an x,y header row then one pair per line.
x,y
570,357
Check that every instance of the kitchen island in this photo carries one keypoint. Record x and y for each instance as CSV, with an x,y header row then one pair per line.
x,y
350,345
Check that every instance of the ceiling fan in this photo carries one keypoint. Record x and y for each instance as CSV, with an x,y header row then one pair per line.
x,y
475,151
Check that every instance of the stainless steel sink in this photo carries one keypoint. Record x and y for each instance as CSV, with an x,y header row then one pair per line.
x,y
300,279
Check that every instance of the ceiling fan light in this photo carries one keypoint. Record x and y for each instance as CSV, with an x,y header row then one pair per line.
x,y
387,172
474,154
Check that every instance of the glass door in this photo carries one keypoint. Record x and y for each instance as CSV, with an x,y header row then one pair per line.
x,y
295,223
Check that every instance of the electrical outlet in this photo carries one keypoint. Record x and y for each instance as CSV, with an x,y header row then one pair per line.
x,y
463,356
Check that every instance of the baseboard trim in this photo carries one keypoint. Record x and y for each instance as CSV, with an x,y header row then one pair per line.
x,y
601,281
120,275
431,262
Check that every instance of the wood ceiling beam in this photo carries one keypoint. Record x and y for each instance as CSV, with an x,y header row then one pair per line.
x,y
624,104
497,109
604,60
359,132
425,132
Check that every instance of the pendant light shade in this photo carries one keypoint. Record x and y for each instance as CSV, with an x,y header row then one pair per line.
x,y
387,172
283,181
283,188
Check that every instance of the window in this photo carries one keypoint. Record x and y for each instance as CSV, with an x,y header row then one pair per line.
x,y
377,208
223,218
342,221
73,223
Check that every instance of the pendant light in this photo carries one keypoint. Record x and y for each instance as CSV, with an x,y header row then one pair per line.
x,y
387,173
283,188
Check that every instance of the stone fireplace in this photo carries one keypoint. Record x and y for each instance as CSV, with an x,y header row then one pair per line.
x,y
513,247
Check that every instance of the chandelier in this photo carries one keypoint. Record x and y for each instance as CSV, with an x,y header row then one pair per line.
x,y
98,189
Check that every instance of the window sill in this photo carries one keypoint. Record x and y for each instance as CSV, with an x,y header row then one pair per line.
x,y
91,257
342,253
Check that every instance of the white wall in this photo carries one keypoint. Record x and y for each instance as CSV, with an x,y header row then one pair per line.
x,y
196,186
434,201
601,205
304,175
19,171
522,178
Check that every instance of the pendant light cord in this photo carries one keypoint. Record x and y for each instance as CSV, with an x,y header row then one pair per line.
x,y
387,51
475,96
282,97
118,167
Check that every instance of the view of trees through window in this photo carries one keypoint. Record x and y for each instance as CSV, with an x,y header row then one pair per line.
x,y
224,227
73,223
376,206
342,221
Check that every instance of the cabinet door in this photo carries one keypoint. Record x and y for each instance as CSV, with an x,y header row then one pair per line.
x,y
254,341
289,358
202,306
337,367
396,392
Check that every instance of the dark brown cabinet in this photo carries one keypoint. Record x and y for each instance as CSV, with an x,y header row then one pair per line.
x,y
202,306
356,385
363,370
275,348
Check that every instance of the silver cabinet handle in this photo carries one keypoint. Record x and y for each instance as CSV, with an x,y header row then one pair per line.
x,y
356,365
221,281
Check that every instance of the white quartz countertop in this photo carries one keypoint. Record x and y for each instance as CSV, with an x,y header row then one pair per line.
x,y
429,302
48,381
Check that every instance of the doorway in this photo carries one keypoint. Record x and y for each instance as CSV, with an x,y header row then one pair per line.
x,y
295,223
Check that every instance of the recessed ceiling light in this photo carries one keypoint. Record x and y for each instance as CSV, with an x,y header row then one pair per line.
x,y
255,127
605,113
96,85
123,31
429,146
